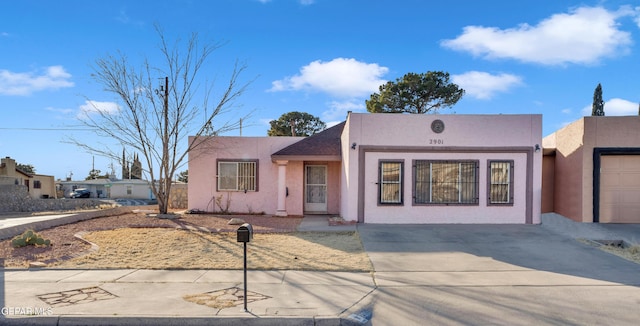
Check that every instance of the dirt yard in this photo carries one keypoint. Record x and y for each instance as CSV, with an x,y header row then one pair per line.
x,y
190,242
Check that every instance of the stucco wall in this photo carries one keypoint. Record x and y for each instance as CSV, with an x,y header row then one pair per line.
x,y
480,213
349,173
139,190
47,187
569,171
574,144
10,175
352,185
548,180
202,175
333,187
464,137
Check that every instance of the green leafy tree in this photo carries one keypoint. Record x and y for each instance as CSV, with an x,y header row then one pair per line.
x,y
296,124
416,93
28,168
96,174
597,108
184,176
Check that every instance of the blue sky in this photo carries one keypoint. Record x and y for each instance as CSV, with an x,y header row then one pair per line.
x,y
324,57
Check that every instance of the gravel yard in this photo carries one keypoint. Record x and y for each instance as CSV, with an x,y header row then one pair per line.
x,y
190,242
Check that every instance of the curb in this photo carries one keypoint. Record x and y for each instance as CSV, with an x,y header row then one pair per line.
x,y
177,321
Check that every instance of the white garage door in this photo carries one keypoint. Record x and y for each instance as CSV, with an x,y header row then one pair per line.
x,y
620,189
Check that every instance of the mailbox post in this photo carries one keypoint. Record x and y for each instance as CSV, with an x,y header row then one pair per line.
x,y
244,235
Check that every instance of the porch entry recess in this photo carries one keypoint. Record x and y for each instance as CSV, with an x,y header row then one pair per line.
x,y
315,179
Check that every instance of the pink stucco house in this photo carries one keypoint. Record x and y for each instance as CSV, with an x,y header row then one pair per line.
x,y
381,168
592,170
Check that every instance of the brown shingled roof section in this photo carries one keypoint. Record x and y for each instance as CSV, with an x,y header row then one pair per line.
x,y
326,142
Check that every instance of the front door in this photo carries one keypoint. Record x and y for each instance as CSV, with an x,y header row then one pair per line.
x,y
315,188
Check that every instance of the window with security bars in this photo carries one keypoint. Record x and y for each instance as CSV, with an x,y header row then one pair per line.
x,y
237,176
446,182
390,183
500,182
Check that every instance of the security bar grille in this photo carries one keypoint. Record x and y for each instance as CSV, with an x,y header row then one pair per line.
x,y
501,182
446,182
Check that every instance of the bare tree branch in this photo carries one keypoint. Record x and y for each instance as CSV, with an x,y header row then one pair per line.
x,y
156,121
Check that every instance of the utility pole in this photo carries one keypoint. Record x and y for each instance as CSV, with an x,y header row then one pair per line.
x,y
165,145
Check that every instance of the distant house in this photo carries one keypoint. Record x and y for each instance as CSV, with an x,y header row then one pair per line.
x,y
380,168
592,170
38,185
110,188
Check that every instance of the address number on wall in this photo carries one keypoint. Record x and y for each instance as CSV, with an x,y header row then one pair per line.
x,y
436,141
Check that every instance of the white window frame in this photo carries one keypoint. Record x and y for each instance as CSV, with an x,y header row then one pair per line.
x,y
246,176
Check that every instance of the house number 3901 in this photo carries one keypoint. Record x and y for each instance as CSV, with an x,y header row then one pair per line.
x,y
436,141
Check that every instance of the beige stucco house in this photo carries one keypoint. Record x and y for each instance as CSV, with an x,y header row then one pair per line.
x,y
592,170
380,168
38,185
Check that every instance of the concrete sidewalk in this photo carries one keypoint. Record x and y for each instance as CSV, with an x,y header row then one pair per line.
x,y
443,274
161,297
183,297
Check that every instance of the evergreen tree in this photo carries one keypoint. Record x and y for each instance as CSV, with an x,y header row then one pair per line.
x,y
597,109
296,124
416,93
28,168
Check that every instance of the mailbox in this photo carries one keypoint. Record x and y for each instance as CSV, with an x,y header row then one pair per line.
x,y
245,233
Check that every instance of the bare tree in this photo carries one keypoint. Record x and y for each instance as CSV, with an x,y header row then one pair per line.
x,y
155,120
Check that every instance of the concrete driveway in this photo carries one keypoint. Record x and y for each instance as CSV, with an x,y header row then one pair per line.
x,y
494,274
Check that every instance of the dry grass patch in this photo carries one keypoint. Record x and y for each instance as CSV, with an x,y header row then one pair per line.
x,y
629,253
158,248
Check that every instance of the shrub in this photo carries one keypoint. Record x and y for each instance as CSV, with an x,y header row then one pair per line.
x,y
29,238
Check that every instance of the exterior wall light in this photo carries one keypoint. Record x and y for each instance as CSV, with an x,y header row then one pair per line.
x,y
353,146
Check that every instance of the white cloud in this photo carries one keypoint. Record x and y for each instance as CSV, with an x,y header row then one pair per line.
x,y
582,36
483,85
340,77
61,111
338,110
25,83
92,107
566,111
615,107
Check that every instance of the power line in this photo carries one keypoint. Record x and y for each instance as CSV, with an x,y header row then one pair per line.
x,y
48,129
